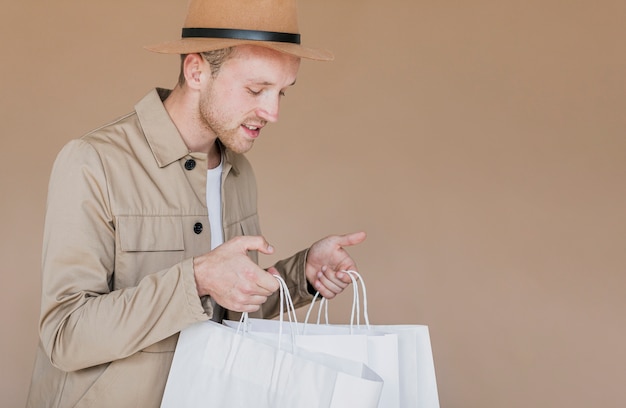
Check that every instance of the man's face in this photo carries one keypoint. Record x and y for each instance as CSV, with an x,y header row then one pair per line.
x,y
245,94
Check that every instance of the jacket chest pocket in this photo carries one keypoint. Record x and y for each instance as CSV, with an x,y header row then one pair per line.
x,y
147,244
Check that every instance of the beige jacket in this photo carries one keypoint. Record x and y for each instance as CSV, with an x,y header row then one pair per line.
x,y
125,215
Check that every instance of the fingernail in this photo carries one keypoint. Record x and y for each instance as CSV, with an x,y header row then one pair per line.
x,y
270,248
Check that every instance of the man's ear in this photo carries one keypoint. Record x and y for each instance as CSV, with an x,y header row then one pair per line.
x,y
194,67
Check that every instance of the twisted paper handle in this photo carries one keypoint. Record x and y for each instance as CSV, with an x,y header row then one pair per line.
x,y
356,306
285,300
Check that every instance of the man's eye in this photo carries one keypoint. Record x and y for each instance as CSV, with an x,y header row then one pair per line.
x,y
254,92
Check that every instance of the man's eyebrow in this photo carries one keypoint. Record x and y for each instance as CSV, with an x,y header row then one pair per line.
x,y
267,83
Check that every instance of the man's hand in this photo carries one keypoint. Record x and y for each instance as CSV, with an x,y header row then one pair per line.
x,y
325,261
230,277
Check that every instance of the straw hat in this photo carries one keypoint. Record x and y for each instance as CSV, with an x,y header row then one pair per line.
x,y
215,24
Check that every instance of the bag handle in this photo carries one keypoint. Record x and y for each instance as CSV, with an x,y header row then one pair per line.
x,y
286,302
356,306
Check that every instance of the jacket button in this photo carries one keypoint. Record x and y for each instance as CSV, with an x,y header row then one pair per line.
x,y
190,164
197,227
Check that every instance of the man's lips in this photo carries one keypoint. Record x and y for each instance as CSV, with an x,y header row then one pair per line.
x,y
252,130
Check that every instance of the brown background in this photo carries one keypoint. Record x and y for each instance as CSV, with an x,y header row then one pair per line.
x,y
480,144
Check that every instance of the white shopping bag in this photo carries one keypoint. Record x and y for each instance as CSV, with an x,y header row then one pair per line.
x,y
378,350
418,384
405,363
219,366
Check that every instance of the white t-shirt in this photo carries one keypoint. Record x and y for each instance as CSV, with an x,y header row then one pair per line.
x,y
214,204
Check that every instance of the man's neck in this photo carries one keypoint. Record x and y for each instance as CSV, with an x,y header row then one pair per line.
x,y
182,106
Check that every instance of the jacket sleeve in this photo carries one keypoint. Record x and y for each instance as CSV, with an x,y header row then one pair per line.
x,y
84,321
292,270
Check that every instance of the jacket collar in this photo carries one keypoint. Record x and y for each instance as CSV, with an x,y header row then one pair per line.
x,y
165,141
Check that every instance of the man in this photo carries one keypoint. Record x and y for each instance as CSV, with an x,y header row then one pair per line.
x,y
151,221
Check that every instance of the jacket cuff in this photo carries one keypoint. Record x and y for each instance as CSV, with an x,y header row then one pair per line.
x,y
197,306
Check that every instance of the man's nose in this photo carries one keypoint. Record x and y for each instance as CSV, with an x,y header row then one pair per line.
x,y
269,107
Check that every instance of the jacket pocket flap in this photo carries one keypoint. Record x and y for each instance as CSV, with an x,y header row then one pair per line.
x,y
158,233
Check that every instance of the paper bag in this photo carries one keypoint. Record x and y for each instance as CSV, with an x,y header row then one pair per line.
x,y
219,366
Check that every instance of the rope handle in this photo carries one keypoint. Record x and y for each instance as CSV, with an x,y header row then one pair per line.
x,y
357,280
286,302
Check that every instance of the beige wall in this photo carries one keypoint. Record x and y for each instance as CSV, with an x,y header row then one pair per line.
x,y
480,144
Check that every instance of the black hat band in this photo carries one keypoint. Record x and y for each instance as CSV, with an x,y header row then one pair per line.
x,y
253,35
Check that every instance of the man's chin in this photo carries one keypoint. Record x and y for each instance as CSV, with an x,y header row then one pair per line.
x,y
239,148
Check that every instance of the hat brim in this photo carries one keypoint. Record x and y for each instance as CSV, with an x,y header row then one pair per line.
x,y
197,45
